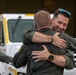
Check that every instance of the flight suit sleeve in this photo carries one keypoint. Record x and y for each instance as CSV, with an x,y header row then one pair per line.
x,y
5,58
70,49
27,35
20,58
69,57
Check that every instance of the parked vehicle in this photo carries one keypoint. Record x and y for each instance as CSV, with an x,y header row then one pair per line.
x,y
11,29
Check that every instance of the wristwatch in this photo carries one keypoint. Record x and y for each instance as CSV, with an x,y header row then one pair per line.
x,y
50,58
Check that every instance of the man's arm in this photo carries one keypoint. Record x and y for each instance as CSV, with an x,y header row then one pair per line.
x,y
36,37
5,58
66,60
69,55
20,58
31,35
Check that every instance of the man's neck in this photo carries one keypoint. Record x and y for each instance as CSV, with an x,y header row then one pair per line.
x,y
43,27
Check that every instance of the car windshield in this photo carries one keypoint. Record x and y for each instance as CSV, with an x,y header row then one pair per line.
x,y
16,28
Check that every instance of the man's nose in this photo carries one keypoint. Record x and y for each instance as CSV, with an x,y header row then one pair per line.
x,y
61,26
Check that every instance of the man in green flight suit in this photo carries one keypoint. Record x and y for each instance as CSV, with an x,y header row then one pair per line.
x,y
46,67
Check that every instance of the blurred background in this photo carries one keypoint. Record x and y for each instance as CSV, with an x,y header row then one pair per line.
x,y
29,6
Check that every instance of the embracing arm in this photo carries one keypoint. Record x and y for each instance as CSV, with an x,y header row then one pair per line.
x,y
44,55
69,55
66,60
36,37
31,35
5,58
20,58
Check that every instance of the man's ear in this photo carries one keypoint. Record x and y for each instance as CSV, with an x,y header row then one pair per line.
x,y
35,26
51,20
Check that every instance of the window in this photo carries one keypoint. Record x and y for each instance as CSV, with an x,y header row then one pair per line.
x,y
16,28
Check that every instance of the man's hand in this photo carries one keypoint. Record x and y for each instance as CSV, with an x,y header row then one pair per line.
x,y
58,41
41,55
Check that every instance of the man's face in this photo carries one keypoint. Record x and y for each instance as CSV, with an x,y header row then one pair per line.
x,y
59,23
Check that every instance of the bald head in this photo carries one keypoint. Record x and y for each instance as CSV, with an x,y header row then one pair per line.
x,y
42,18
